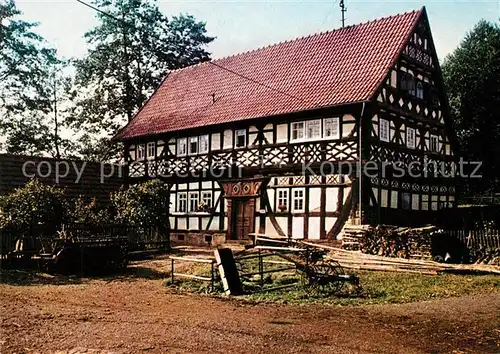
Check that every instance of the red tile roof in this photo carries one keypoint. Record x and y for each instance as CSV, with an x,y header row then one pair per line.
x,y
326,69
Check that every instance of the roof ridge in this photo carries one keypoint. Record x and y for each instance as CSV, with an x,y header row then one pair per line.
x,y
297,39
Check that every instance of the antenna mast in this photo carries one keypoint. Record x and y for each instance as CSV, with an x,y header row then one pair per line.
x,y
343,10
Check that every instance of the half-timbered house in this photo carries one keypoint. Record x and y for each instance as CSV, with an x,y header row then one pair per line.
x,y
301,137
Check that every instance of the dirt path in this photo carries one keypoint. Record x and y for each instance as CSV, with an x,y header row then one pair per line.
x,y
137,315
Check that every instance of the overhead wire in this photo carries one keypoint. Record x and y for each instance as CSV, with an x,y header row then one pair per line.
x,y
210,62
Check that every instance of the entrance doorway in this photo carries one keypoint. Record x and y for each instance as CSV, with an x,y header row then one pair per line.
x,y
241,218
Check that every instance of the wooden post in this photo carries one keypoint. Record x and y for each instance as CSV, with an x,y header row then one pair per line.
x,y
172,260
212,277
261,270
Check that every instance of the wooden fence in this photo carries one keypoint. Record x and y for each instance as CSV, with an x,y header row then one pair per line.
x,y
139,237
476,239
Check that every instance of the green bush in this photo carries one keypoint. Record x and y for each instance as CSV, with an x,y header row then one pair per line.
x,y
89,212
143,204
34,206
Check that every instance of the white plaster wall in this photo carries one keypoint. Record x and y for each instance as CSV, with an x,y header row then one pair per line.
x,y
228,139
193,223
331,199
298,227
281,133
314,228
314,199
215,223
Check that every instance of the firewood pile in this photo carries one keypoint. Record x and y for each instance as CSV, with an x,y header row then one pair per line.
x,y
389,241
487,256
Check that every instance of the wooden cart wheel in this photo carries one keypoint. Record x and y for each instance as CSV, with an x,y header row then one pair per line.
x,y
307,282
324,275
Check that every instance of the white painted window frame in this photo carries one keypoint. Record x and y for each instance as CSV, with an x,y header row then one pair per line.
x,y
381,124
193,196
141,152
284,198
203,143
296,198
410,143
310,125
207,195
292,129
243,133
182,142
431,139
335,128
150,150
193,139
182,196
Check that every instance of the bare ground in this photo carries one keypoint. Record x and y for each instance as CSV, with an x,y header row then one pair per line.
x,y
140,315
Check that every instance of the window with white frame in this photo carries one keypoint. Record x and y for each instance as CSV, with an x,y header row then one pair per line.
x,y
298,199
193,201
420,90
203,144
182,202
282,199
150,151
206,198
407,83
434,143
140,152
331,128
384,130
181,147
297,131
410,138
313,129
241,138
405,201
193,145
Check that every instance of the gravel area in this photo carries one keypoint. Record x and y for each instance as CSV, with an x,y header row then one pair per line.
x,y
137,314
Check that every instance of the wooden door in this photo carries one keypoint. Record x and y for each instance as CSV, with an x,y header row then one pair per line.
x,y
242,218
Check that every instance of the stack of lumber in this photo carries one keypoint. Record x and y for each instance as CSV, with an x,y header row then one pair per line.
x,y
351,236
389,241
358,260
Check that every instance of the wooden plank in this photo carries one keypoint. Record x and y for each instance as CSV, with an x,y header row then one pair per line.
x,y
274,248
190,276
197,260
228,272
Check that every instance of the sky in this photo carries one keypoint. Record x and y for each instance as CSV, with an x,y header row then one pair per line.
x,y
244,25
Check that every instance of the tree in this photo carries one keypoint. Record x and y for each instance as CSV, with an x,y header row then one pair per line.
x,y
30,87
38,130
472,78
131,51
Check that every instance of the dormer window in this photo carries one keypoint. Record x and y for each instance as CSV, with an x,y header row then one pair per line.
x,y
241,138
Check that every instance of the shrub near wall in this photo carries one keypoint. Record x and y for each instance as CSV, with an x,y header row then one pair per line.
x,y
33,207
144,205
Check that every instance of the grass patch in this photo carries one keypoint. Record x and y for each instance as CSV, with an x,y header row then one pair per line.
x,y
375,288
